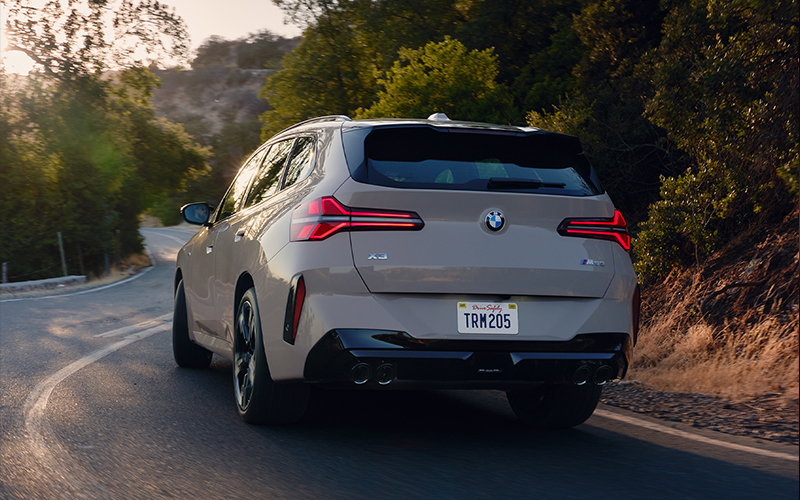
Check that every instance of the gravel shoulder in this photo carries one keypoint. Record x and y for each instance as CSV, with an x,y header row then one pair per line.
x,y
771,417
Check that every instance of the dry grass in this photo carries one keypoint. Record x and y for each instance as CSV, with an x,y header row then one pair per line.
x,y
138,260
728,327
709,360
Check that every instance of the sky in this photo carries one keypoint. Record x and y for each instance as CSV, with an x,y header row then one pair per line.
x,y
230,19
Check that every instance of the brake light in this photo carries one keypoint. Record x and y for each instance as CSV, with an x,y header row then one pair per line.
x,y
321,218
614,229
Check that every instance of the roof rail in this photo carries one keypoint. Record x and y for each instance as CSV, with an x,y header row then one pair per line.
x,y
327,118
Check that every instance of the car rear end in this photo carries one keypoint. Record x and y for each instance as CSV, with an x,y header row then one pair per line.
x,y
488,257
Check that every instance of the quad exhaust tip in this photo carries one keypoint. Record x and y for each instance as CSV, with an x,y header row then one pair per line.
x,y
360,373
583,375
602,375
385,374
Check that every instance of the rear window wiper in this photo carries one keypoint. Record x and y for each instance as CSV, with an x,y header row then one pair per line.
x,y
509,183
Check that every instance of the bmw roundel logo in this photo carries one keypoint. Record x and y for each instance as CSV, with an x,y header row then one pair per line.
x,y
495,220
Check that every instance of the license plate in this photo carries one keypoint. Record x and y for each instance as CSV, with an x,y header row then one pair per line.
x,y
487,317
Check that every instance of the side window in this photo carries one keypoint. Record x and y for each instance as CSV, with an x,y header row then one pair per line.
x,y
267,180
234,198
302,161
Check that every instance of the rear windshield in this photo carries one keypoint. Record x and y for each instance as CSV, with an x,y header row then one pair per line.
x,y
423,157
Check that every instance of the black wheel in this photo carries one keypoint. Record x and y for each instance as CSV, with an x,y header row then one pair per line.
x,y
259,399
555,406
187,353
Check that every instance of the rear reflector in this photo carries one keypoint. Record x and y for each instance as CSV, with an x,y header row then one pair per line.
x,y
318,219
294,307
613,229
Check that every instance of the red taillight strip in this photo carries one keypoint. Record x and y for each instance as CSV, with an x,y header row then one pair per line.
x,y
318,219
300,297
614,229
622,238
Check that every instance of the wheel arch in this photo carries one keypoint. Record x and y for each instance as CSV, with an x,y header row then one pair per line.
x,y
177,281
244,283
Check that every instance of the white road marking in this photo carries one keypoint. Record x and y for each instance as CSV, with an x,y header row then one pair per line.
x,y
133,328
695,437
36,403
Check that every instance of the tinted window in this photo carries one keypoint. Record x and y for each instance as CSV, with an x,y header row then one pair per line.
x,y
267,180
302,161
424,157
233,201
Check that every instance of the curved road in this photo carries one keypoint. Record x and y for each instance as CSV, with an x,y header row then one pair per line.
x,y
93,406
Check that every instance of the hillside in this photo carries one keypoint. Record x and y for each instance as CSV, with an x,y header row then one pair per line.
x,y
207,99
217,100
729,326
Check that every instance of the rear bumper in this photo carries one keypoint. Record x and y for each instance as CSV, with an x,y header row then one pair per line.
x,y
359,358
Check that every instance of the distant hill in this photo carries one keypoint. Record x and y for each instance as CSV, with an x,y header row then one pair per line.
x,y
217,100
217,103
205,100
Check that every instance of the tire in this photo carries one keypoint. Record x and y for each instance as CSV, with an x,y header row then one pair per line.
x,y
555,406
259,399
187,354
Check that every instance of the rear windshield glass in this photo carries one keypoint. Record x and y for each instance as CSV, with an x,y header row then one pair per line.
x,y
429,158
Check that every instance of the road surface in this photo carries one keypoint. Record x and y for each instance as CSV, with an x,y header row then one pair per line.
x,y
94,406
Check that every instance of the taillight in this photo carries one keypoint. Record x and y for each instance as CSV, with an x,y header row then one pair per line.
x,y
324,217
614,229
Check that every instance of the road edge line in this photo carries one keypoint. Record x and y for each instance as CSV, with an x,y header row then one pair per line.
x,y
694,437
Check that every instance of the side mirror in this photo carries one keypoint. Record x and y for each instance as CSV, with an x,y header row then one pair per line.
x,y
197,213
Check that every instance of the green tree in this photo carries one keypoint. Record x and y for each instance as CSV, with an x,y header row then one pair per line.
x,y
214,52
727,91
28,198
68,37
606,105
261,50
327,74
100,152
443,77
537,47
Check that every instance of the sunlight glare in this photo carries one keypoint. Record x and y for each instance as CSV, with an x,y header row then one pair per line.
x,y
12,61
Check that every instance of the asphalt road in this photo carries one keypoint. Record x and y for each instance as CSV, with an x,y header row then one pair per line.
x,y
92,405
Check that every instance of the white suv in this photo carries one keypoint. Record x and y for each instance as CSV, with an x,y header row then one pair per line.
x,y
384,254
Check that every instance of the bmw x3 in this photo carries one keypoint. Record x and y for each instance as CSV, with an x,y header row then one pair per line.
x,y
390,254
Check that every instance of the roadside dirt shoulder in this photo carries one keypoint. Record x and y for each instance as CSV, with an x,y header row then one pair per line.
x,y
771,417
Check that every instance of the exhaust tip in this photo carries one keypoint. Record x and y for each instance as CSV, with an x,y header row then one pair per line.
x,y
581,375
360,373
602,375
385,374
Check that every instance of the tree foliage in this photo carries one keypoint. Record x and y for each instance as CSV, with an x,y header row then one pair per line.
x,y
66,37
443,77
364,38
726,88
327,74
82,151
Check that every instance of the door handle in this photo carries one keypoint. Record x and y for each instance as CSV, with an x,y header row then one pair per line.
x,y
209,249
239,235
